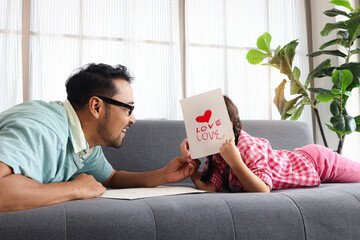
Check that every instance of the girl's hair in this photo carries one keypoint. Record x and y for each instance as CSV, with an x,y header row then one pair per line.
x,y
237,126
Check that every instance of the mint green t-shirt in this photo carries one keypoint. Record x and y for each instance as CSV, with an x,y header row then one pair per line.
x,y
35,142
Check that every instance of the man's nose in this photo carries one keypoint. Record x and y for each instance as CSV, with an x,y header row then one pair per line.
x,y
132,119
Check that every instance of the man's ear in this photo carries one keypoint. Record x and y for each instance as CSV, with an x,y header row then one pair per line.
x,y
96,107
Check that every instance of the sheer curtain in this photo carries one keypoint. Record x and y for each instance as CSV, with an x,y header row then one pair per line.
x,y
10,53
142,35
219,33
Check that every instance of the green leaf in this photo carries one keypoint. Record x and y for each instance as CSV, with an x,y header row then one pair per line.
x,y
357,12
263,42
357,120
344,3
335,107
334,12
335,41
289,50
324,97
277,50
291,110
354,67
355,51
279,99
347,93
328,52
297,113
284,57
255,57
332,129
343,123
342,79
320,91
338,123
353,26
344,35
320,71
306,101
325,72
356,33
289,106
357,9
271,65
336,91
350,124
329,27
295,85
280,102
296,73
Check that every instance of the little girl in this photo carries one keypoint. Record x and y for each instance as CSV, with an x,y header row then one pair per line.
x,y
250,164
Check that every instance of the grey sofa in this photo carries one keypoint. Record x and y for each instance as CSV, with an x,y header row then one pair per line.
x,y
331,211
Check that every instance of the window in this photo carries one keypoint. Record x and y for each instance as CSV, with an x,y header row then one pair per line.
x,y
11,87
142,35
146,36
219,35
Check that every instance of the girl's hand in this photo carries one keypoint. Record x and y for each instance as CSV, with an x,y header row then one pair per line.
x,y
196,163
184,148
229,152
196,175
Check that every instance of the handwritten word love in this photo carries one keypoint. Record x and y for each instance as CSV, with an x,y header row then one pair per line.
x,y
203,130
209,135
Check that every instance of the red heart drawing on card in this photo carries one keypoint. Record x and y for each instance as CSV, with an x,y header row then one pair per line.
x,y
204,118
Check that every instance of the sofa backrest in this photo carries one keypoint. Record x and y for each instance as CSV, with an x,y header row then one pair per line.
x,y
150,144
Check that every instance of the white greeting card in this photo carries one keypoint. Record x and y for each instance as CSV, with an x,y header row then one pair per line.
x,y
207,123
136,193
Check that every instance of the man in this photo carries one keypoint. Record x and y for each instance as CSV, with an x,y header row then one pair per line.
x,y
51,152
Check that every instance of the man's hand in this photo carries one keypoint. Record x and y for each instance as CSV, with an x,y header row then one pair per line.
x,y
88,187
18,192
184,148
179,169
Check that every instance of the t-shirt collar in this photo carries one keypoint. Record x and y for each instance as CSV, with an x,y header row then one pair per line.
x,y
77,136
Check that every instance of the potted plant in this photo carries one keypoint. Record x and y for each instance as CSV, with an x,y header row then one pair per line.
x,y
345,77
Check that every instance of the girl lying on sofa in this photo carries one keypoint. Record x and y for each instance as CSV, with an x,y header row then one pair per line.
x,y
250,164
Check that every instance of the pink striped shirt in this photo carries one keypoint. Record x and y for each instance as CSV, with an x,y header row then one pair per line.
x,y
277,168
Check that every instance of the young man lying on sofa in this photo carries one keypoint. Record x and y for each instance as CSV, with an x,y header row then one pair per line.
x,y
50,152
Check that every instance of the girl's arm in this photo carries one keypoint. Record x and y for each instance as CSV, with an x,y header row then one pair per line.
x,y
207,186
196,177
184,148
248,179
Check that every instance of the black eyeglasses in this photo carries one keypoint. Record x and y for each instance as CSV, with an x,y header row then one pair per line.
x,y
117,103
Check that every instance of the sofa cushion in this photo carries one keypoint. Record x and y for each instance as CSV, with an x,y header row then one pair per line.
x,y
151,144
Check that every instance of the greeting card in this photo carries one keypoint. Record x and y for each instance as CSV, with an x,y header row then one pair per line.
x,y
207,123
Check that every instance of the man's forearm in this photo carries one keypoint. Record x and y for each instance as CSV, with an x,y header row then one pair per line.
x,y
124,179
18,193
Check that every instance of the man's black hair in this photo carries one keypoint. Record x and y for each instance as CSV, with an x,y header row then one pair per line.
x,y
94,79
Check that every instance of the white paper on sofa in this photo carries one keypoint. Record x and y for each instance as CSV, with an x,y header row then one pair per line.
x,y
207,123
136,193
